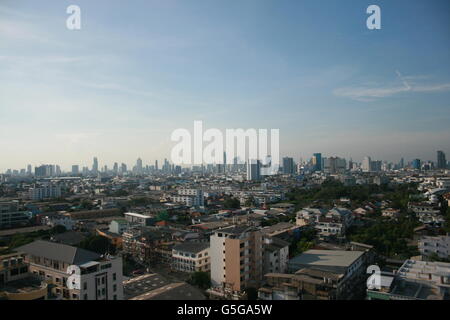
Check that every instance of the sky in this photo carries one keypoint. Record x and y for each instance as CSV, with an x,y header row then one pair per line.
x,y
140,69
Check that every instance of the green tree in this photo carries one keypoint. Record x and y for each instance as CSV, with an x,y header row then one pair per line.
x,y
201,279
97,244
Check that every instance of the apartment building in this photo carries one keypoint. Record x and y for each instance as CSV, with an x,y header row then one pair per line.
x,y
415,280
319,275
73,273
439,246
236,258
190,197
275,256
45,191
328,223
16,282
191,257
11,216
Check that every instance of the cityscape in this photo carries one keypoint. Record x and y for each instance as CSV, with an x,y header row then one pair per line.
x,y
99,202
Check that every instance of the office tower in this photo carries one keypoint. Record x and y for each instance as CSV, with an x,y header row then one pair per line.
x,y
156,165
95,166
75,169
253,170
334,165
236,258
123,168
402,163
29,170
441,161
288,165
139,166
57,170
366,164
116,168
416,164
317,161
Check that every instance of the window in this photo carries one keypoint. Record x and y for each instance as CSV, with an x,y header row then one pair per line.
x,y
115,287
85,297
85,286
115,297
114,276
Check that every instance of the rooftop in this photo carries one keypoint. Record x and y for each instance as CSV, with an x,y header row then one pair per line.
x,y
59,252
325,259
192,247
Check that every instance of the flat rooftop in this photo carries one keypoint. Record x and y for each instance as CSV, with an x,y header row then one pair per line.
x,y
156,287
327,259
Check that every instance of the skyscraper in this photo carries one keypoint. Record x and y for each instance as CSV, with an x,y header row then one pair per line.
x,y
366,164
288,165
441,161
253,170
75,169
139,166
95,166
317,161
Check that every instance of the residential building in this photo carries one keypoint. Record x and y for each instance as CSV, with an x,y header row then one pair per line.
x,y
191,257
236,258
73,273
438,246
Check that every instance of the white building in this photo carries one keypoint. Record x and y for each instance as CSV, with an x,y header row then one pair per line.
x,y
435,245
75,274
191,257
190,197
46,191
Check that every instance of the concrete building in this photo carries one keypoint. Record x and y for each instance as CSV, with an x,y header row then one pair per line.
x,y
11,216
45,191
439,246
191,257
139,219
276,255
73,273
16,282
190,197
236,258
415,280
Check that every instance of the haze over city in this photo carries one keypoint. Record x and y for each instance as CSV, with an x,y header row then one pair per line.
x,y
117,88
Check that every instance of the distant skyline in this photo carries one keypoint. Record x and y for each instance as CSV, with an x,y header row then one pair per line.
x,y
117,88
151,162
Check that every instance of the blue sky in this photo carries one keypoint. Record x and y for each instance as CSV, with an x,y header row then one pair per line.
x,y
140,69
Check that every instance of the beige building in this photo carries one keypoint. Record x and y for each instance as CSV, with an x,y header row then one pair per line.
x,y
236,258
72,273
16,282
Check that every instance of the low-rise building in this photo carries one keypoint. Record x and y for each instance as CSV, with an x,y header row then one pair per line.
x,y
191,257
73,273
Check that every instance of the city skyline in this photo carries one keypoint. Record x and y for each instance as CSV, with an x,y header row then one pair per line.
x,y
98,166
122,84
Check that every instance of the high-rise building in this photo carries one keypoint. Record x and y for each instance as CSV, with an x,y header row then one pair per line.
x,y
366,164
139,166
236,258
288,165
317,161
441,161
253,170
75,169
334,165
416,164
29,169
95,166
